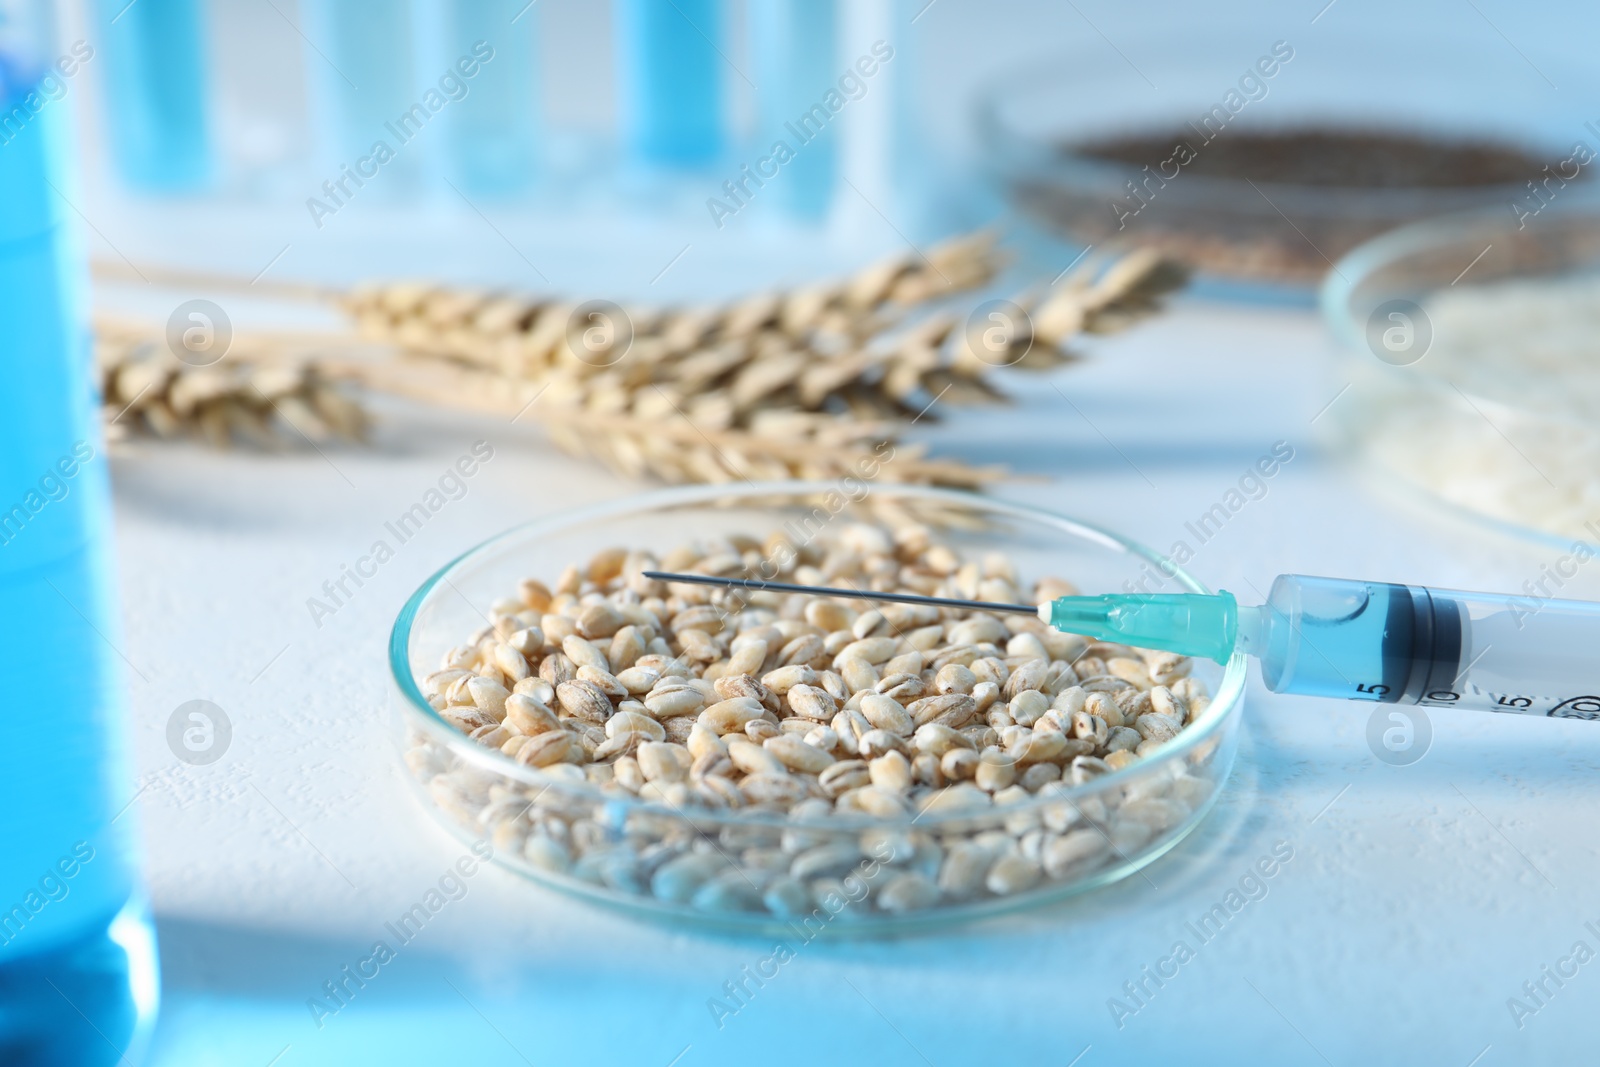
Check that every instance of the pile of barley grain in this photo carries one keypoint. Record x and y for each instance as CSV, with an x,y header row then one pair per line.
x,y
687,695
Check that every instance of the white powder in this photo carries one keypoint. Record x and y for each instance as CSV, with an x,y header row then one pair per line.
x,y
1500,416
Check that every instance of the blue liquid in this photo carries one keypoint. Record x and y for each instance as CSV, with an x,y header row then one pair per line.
x,y
795,47
494,139
1326,636
671,80
369,86
77,954
155,92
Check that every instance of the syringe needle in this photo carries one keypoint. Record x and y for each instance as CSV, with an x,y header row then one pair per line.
x,y
1188,623
855,594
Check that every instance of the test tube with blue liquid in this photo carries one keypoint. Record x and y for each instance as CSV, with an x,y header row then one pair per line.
x,y
671,79
78,974
156,95
795,51
366,82
495,129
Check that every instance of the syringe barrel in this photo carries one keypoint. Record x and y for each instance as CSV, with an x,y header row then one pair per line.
x,y
1435,647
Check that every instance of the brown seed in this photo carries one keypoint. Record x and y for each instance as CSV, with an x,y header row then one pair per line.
x,y
965,867
954,678
712,764
527,715
830,682
535,594
849,725
1163,702
1103,707
753,758
844,776
1157,727
802,651
1085,768
758,730
1029,675
584,701
876,800
557,668
489,695
747,659
891,771
925,770
1041,746
730,716
939,739
783,679
1089,727
743,685
599,620
1038,775
827,615
910,891
584,654
954,710
638,680
661,761
772,789
859,675
629,722
1130,670
995,772
885,713
605,681
955,799
1027,707
959,764
547,749
465,717
1072,851
869,622
904,687
511,662
606,565
1013,873
875,743
872,650
702,617
627,645
1123,739
798,755
812,703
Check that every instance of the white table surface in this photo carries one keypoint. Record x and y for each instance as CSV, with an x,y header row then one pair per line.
x,y
1418,900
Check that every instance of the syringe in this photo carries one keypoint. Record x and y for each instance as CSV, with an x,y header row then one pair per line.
x,y
1334,637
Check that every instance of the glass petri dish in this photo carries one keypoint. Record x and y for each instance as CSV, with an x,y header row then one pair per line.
x,y
608,844
1481,394
1259,238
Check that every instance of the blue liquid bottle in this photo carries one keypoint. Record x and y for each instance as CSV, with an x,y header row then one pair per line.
x,y
494,139
795,45
368,92
78,981
155,92
671,80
